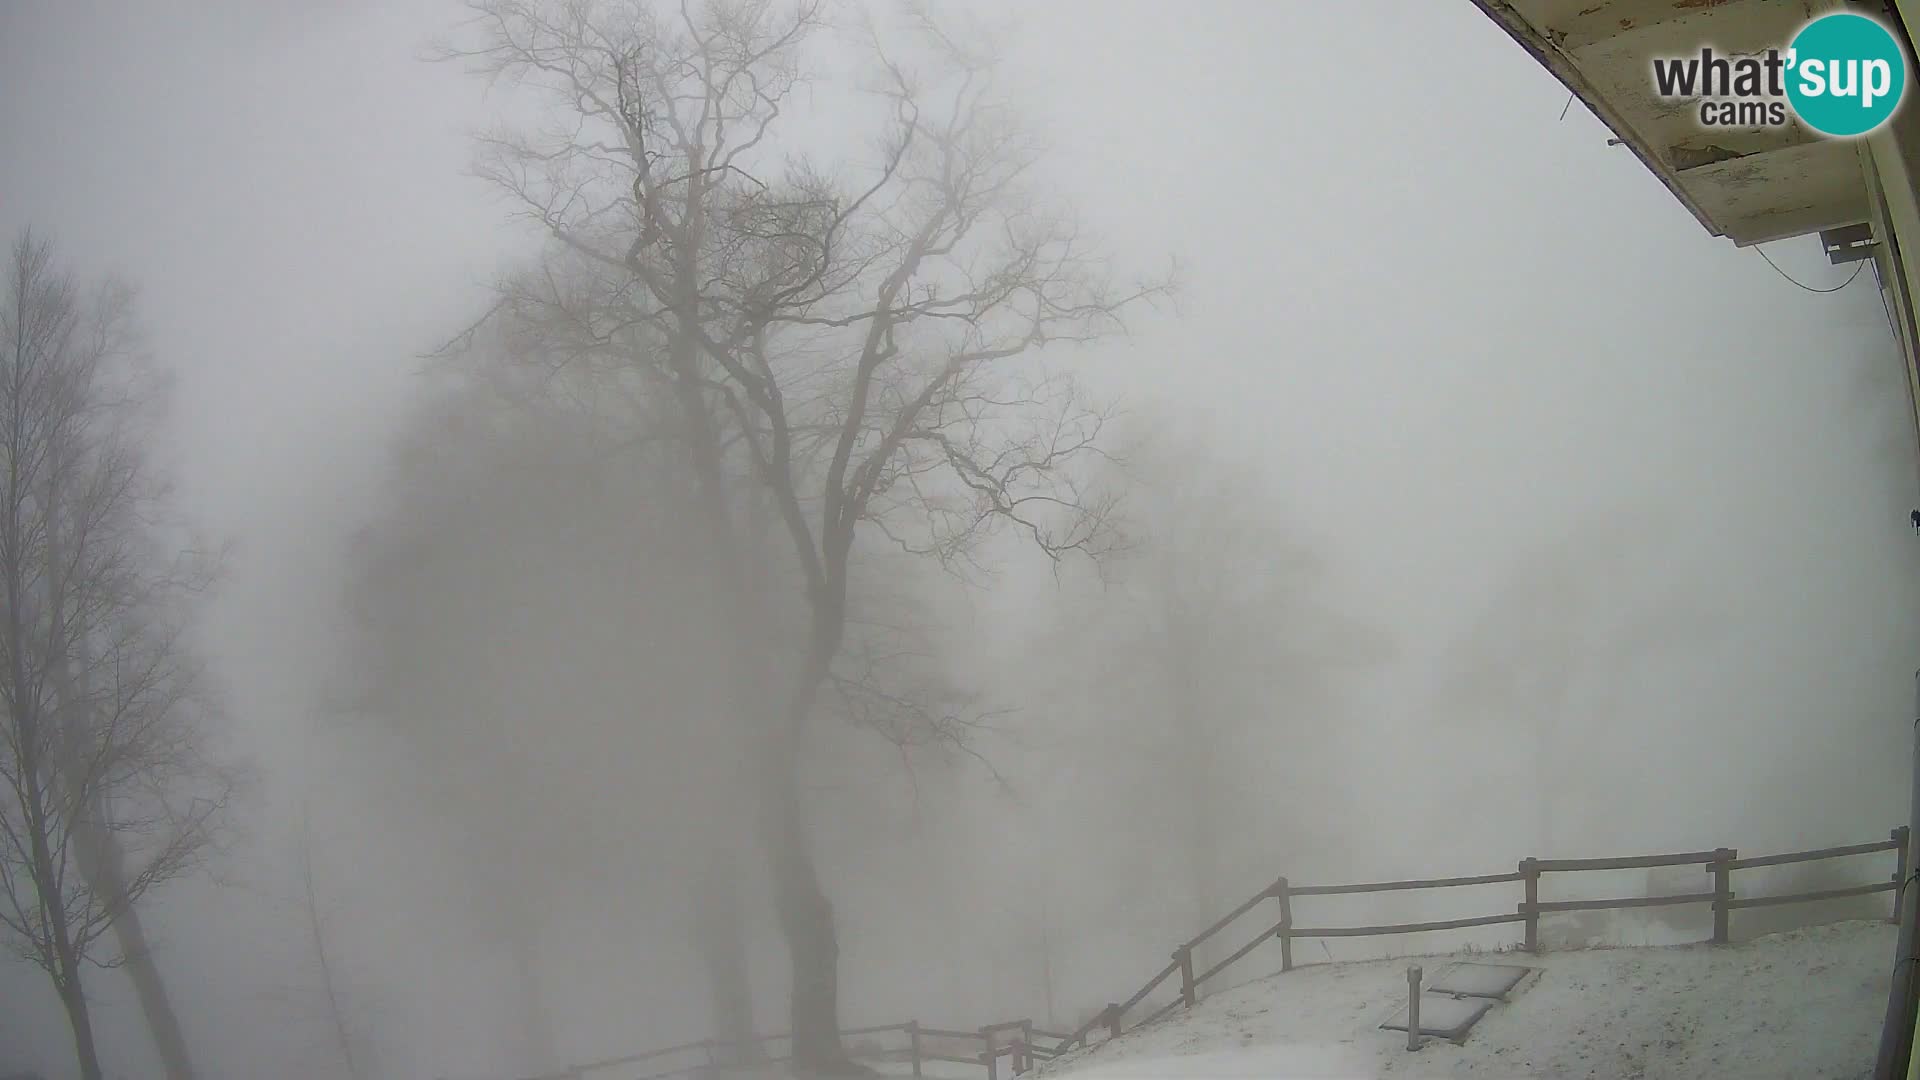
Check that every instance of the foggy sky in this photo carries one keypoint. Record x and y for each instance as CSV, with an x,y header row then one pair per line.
x,y
1479,356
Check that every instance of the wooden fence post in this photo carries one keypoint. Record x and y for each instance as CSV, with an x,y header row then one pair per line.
x,y
1113,1019
1184,954
992,1063
1722,891
1900,872
1286,924
1529,868
1026,1044
913,1039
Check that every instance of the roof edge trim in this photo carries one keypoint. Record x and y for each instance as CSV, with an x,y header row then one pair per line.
x,y
1551,58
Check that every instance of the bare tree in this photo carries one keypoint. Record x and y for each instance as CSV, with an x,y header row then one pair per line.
x,y
342,1041
488,624
1561,637
841,343
103,863
1214,624
107,790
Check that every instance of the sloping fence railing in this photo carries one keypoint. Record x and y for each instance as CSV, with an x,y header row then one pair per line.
x,y
1023,1046
1018,1042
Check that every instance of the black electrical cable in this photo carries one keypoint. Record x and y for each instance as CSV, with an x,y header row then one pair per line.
x,y
1809,288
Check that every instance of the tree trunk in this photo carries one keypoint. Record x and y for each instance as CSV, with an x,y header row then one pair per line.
x,y
75,1000
342,1041
1198,743
719,932
155,1005
720,929
806,921
1046,954
806,917
805,914
101,858
537,1046
103,865
66,961
62,956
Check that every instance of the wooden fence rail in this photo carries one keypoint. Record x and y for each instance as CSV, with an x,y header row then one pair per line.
x,y
1810,897
1623,902
1397,886
1021,1043
1823,853
1401,928
1231,916
1241,954
1630,862
944,1033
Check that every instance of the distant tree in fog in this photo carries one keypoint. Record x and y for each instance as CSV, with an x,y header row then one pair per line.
x,y
108,791
1552,656
859,351
524,623
1213,633
342,1040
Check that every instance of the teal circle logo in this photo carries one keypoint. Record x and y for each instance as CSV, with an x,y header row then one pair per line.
x,y
1846,74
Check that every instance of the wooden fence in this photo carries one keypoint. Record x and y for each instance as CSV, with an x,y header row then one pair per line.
x,y
1018,1041
1024,1046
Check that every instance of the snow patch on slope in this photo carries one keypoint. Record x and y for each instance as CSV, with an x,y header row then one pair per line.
x,y
1802,1004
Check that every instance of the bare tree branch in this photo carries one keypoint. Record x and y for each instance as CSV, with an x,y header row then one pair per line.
x,y
863,351
109,790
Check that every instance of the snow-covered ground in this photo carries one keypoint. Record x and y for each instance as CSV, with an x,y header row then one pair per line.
x,y
1802,1004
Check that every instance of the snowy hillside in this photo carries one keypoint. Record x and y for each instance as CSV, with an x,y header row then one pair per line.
x,y
1803,1004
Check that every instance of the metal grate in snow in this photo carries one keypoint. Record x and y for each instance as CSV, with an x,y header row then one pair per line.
x,y
1478,980
1444,1015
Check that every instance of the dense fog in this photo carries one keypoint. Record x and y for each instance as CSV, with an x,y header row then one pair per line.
x,y
1462,501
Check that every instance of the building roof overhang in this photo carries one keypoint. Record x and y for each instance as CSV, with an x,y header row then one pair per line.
x,y
1749,184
